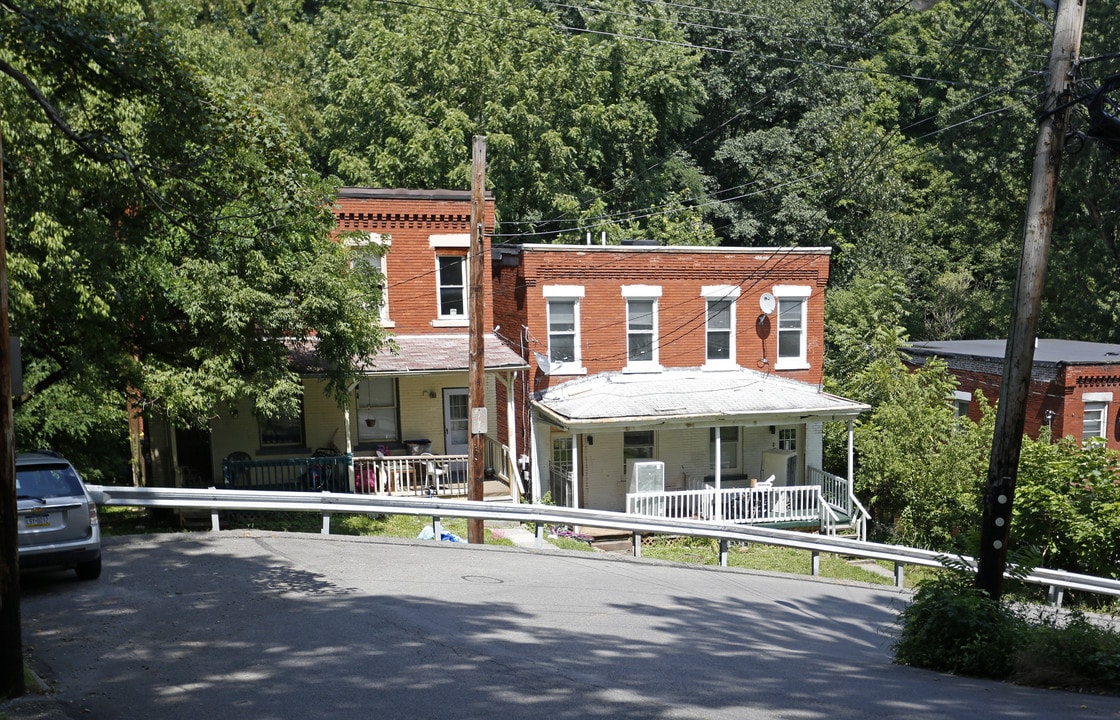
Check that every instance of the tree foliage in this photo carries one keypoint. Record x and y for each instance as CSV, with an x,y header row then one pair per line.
x,y
1067,505
166,231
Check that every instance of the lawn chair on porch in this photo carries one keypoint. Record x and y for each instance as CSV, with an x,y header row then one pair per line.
x,y
432,472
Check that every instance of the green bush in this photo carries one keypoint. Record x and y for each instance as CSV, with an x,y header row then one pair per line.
x,y
952,626
1075,653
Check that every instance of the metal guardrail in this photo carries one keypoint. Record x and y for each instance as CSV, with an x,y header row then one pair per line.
x,y
327,503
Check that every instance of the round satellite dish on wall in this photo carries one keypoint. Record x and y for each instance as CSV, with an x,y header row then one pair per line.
x,y
766,303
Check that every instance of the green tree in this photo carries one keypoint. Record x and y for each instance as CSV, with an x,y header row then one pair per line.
x,y
166,232
1067,505
580,111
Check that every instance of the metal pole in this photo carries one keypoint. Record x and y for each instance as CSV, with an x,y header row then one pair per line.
x,y
11,648
1008,439
477,368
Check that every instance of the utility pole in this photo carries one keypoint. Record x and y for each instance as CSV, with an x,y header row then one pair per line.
x,y
477,368
11,643
1008,439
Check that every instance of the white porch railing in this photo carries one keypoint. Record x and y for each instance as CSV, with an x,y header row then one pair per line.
x,y
839,493
823,503
426,475
423,475
749,506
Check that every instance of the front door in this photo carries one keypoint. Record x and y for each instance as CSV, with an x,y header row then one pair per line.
x,y
456,421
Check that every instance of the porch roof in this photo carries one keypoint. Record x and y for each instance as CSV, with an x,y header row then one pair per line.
x,y
425,354
441,353
688,397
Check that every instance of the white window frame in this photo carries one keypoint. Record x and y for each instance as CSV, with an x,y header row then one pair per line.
x,y
728,448
650,294
385,242
572,294
452,241
452,319
713,294
386,415
801,360
1095,404
962,403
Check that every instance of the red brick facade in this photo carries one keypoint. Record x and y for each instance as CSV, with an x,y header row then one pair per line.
x,y
679,276
419,224
1059,389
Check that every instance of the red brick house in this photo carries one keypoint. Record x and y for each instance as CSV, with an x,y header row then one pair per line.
x,y
411,398
1074,390
705,360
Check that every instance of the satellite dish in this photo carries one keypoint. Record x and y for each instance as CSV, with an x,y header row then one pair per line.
x,y
543,363
766,303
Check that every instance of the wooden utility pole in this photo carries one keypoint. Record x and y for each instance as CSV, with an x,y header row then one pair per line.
x,y
11,643
477,368
1008,439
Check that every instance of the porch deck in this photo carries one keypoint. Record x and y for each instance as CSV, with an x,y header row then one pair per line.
x,y
424,475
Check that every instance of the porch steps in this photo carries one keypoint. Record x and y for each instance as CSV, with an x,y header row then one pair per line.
x,y
608,539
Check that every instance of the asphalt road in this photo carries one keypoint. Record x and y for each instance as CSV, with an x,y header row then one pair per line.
x,y
260,626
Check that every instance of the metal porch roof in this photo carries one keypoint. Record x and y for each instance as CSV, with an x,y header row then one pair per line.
x,y
689,397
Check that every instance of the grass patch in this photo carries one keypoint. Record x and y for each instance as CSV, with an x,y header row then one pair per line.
x,y
773,558
116,520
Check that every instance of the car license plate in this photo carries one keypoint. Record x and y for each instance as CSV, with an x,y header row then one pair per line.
x,y
37,521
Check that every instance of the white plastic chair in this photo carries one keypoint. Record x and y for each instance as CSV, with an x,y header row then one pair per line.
x,y
433,472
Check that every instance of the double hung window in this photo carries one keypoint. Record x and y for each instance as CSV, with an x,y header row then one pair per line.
x,y
451,272
719,347
1094,423
564,351
793,307
642,352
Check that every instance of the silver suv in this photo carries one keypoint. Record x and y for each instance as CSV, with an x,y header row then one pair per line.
x,y
57,516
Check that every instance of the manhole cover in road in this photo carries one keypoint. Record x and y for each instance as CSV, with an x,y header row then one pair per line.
x,y
483,579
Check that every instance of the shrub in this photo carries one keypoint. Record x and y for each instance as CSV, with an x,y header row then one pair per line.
x,y
954,627
1075,653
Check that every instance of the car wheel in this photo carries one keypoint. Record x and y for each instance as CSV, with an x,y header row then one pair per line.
x,y
89,570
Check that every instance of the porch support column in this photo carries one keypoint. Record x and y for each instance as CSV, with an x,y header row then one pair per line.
x,y
534,459
576,440
507,380
851,458
719,477
349,438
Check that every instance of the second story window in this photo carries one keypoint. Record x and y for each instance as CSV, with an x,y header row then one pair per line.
x,y
562,331
451,271
1094,423
793,304
642,353
719,346
564,352
719,330
641,333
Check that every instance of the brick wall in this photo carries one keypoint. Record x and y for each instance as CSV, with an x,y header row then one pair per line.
x,y
1055,397
411,218
680,273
